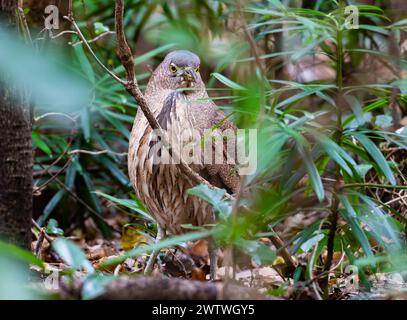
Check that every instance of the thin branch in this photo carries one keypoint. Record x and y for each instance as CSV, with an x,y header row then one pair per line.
x,y
62,155
96,153
36,226
100,36
36,119
37,190
374,185
89,208
71,19
252,42
395,200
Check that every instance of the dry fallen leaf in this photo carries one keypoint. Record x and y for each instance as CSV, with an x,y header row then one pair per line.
x,y
200,249
131,237
198,274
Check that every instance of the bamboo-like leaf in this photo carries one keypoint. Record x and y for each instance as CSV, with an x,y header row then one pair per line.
x,y
377,155
72,254
351,216
128,203
227,82
40,143
381,223
51,206
214,197
19,253
83,60
313,173
337,154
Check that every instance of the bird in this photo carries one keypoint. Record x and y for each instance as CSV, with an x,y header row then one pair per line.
x,y
177,97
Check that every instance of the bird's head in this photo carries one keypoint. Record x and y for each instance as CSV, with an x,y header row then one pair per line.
x,y
180,69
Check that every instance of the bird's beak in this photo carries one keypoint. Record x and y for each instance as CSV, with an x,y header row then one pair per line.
x,y
188,75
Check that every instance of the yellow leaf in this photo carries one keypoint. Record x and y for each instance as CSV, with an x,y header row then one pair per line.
x,y
131,236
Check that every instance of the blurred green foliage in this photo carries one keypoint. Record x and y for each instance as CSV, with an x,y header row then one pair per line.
x,y
322,139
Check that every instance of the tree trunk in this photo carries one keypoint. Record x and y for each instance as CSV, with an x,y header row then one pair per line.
x,y
15,153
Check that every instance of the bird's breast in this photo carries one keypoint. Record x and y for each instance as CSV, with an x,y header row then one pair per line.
x,y
161,186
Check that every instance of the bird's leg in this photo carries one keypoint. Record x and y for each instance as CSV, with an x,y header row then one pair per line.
x,y
154,254
213,258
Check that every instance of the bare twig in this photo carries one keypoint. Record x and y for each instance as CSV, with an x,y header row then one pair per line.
x,y
36,226
61,156
96,153
48,114
374,185
89,208
37,190
100,36
252,42
71,19
281,250
40,241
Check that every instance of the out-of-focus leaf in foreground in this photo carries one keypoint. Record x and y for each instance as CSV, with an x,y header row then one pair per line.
x,y
14,273
50,86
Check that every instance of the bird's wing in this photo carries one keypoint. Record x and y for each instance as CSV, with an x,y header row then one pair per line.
x,y
225,175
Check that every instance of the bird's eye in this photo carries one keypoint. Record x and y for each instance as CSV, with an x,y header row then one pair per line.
x,y
197,69
173,68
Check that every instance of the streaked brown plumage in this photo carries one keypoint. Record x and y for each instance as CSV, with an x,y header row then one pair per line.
x,y
162,188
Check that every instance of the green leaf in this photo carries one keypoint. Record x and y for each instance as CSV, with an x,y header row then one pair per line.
x,y
71,174
384,120
128,203
304,235
337,154
72,254
362,169
373,106
311,242
295,98
402,22
227,82
313,173
214,197
148,55
85,124
94,285
114,170
376,154
380,223
367,7
350,215
51,206
52,228
7,249
401,84
356,108
84,63
40,143
374,29
261,253
100,28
